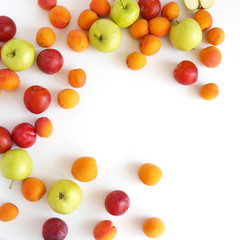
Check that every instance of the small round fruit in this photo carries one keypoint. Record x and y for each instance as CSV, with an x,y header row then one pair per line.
x,y
159,26
9,80
33,189
59,16
117,202
215,36
150,45
77,40
8,212
204,19
85,169
149,9
100,7
104,230
150,174
77,78
54,229
68,98
44,127
153,227
47,4
86,19
136,60
6,141
7,28
45,37
170,11
211,56
139,28
186,73
209,91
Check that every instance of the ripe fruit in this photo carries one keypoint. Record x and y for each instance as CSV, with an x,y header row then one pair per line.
x,y
117,202
54,229
84,169
136,60
170,11
77,40
77,78
150,174
153,227
24,135
45,37
215,36
50,61
7,28
139,28
8,212
86,19
43,127
104,230
159,26
100,7
59,16
5,140
204,19
209,91
211,56
9,80
68,98
149,8
37,99
186,73
150,45
33,189
47,4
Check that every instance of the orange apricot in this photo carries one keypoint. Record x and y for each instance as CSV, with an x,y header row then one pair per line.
x,y
86,19
150,174
85,169
68,98
100,7
47,4
45,37
211,56
150,45
204,19
170,11
9,80
59,16
209,91
77,78
139,28
44,127
8,212
33,189
159,26
153,227
136,60
77,40
104,230
215,36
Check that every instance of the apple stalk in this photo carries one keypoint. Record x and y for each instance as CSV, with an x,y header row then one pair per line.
x,y
10,187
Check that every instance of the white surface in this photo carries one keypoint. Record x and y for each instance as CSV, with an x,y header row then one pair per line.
x,y
126,118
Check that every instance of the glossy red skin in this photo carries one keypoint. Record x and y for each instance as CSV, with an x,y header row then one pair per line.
x,y
50,61
117,202
47,4
6,141
54,229
149,8
7,28
37,99
186,73
24,135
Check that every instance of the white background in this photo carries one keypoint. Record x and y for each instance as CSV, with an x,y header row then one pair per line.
x,y
126,118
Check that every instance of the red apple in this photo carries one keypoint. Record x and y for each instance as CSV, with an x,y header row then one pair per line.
x,y
7,28
50,61
117,202
47,4
149,8
24,135
5,140
186,73
37,99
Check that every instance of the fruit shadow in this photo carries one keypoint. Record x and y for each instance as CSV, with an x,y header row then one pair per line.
x,y
166,70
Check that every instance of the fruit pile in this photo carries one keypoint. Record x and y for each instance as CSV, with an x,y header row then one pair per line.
x,y
100,26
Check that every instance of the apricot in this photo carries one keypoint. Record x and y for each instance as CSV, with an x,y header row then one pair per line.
x,y
59,16
45,37
159,26
153,227
77,78
47,4
77,40
170,11
211,56
86,19
9,80
150,174
209,91
85,169
33,189
139,28
100,7
8,212
136,60
68,98
104,230
150,45
43,127
204,19
215,36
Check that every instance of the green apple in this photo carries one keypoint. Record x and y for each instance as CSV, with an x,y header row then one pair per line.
x,y
105,36
186,35
16,164
124,12
191,4
64,196
18,54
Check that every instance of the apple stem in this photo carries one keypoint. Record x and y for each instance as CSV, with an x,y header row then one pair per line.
x,y
11,54
11,184
122,4
175,20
